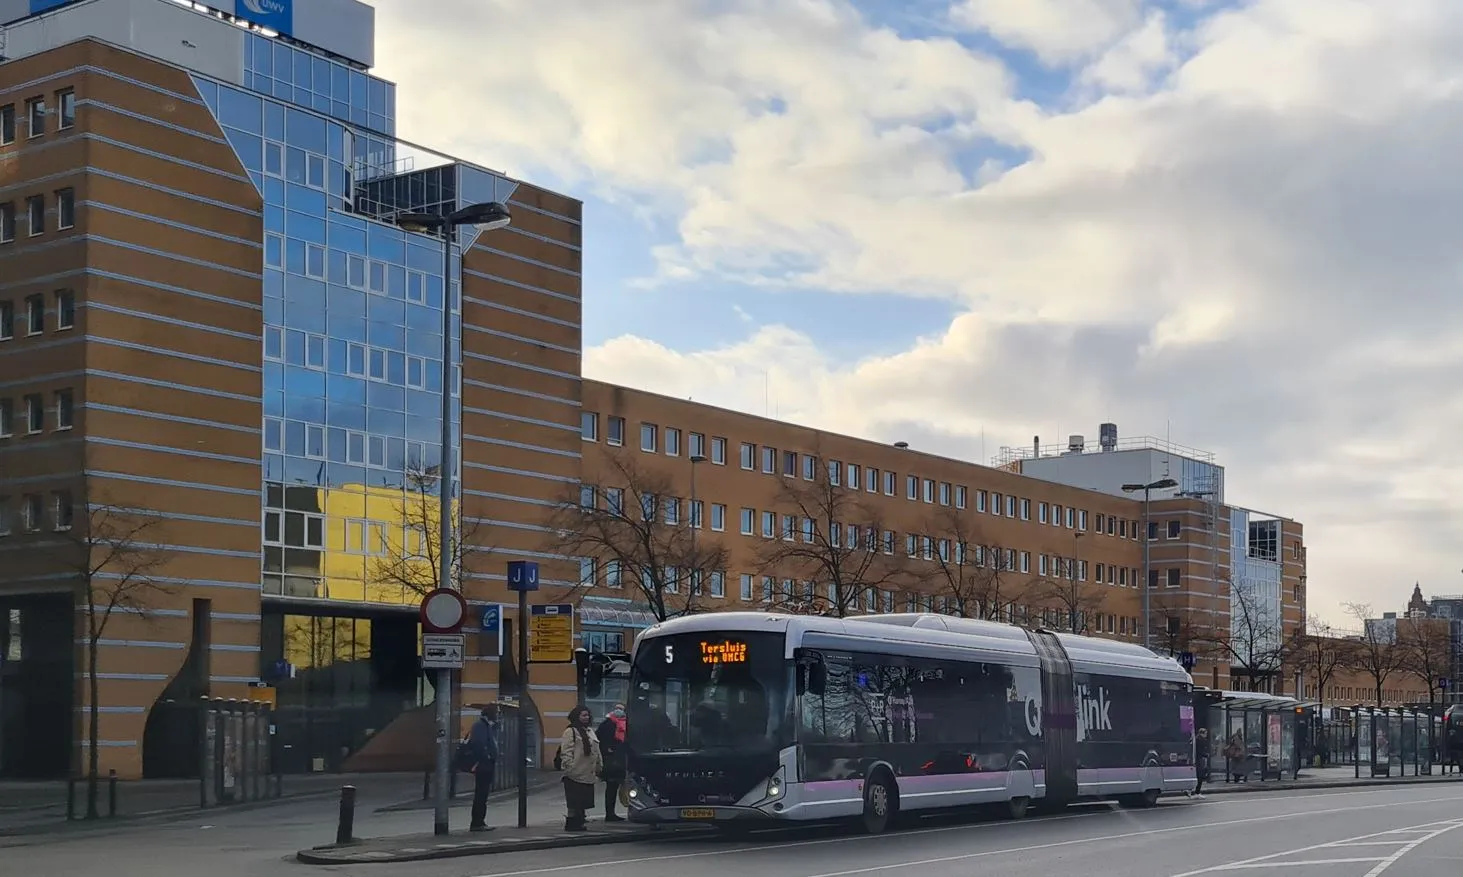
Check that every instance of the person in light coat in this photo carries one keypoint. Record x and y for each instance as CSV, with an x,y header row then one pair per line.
x,y
580,757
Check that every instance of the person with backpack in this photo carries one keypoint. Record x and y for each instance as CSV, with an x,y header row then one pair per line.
x,y
611,734
482,753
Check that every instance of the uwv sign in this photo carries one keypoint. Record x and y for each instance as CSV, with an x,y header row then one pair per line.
x,y
277,15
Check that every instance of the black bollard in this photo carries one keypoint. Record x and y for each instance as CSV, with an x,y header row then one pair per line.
x,y
346,826
70,799
111,793
426,785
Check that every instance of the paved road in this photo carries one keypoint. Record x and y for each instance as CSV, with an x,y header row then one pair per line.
x,y
1397,831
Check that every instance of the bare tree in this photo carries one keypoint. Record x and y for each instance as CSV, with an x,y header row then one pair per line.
x,y
1076,600
413,562
970,570
827,534
1376,653
1181,627
1319,653
633,527
1253,644
108,551
1427,651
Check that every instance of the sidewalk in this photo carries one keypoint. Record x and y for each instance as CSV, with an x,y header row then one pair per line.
x,y
545,831
38,807
1323,778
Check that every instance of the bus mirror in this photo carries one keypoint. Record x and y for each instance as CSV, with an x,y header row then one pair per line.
x,y
817,678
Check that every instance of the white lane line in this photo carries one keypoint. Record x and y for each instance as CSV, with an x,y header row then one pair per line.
x,y
1428,831
774,847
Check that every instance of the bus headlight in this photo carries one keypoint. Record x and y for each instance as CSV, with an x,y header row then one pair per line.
x,y
775,786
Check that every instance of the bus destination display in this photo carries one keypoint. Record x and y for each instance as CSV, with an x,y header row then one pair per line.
x,y
723,652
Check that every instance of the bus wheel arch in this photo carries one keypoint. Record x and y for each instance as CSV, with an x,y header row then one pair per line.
x,y
881,800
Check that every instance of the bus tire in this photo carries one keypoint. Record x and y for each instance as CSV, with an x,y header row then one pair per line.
x,y
1017,807
1143,801
881,801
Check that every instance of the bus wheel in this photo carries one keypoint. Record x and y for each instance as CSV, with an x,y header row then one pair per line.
x,y
1016,807
1140,802
879,805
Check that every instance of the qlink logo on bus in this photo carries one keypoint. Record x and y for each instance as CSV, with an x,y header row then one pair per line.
x,y
1094,709
265,7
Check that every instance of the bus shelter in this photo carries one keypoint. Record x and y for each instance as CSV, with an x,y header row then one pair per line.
x,y
1263,728
1393,741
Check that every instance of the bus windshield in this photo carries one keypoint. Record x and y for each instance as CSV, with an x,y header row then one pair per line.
x,y
710,691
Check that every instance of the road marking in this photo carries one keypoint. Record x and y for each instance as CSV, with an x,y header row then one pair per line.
x,y
1426,832
640,860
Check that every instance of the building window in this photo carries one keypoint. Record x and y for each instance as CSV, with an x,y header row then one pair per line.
x,y
835,472
718,517
65,309
748,518
7,223
35,114
1174,528
944,493
35,214
64,409
1175,577
697,444
1041,512
769,461
615,432
746,588
30,513
649,435
911,487
769,525
960,496
7,124
748,456
7,320
672,441
35,414
890,480
589,426
61,510
718,583
7,417
1082,519
718,450
790,463
65,208
929,492
810,467
851,476
66,109
35,314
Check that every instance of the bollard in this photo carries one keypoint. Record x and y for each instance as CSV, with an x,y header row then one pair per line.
x,y
452,784
426,784
111,793
346,825
70,799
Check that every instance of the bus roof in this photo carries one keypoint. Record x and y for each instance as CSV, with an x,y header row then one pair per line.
x,y
989,638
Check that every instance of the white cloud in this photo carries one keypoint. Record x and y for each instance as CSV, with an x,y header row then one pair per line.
x,y
1259,246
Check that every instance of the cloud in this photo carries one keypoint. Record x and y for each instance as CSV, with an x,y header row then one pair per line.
x,y
1241,220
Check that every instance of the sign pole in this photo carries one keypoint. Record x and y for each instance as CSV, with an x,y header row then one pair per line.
x,y
522,577
443,611
523,708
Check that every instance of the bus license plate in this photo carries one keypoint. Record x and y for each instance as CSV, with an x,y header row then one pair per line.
x,y
698,813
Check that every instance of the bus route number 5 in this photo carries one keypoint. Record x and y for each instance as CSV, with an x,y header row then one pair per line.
x,y
670,653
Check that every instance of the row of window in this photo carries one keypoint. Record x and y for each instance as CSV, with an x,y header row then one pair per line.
x,y
290,529
378,364
315,442
35,214
32,414
34,316
27,513
851,476
35,116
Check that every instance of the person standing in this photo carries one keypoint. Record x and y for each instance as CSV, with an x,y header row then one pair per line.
x,y
611,734
483,743
1201,761
582,762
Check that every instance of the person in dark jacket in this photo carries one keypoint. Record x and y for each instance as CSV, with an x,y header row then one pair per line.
x,y
611,734
483,742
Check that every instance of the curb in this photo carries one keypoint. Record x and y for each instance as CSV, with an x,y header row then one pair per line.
x,y
464,796
1252,788
62,825
339,855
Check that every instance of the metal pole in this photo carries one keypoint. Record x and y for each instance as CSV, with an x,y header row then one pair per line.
x,y
695,573
1147,625
445,467
523,708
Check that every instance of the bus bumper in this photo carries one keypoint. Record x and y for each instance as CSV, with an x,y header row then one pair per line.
x,y
717,815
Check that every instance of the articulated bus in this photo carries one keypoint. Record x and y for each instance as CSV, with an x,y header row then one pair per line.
x,y
738,718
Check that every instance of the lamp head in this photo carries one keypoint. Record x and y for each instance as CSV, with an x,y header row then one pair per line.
x,y
487,216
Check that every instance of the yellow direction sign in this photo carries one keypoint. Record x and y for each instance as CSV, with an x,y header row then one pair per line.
x,y
551,634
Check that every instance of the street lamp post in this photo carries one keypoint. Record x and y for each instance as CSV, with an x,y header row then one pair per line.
x,y
1076,586
1160,484
486,217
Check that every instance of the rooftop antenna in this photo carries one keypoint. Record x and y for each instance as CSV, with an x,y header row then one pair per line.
x,y
1168,446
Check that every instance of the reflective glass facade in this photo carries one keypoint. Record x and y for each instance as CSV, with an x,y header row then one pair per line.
x,y
352,346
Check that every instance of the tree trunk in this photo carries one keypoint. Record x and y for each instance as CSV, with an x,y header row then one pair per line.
x,y
93,754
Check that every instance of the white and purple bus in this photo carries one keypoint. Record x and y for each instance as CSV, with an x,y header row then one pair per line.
x,y
740,718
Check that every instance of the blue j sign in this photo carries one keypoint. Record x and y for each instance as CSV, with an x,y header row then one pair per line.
x,y
277,15
522,575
